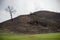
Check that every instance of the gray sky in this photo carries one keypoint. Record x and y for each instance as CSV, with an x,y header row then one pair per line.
x,y
26,6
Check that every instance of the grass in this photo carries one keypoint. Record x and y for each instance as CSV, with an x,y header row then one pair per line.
x,y
49,36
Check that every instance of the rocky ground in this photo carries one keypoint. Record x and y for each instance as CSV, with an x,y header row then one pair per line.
x,y
37,22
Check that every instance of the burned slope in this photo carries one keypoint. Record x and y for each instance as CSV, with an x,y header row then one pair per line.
x,y
37,22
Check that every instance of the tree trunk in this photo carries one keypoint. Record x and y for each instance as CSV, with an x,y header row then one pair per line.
x,y
11,16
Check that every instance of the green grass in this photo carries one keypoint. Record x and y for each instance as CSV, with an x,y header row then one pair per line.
x,y
49,36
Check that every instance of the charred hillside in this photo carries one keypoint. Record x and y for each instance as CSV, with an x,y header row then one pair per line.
x,y
37,22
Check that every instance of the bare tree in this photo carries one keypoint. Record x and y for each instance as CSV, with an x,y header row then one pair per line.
x,y
11,11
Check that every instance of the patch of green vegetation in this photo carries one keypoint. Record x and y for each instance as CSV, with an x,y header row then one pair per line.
x,y
49,36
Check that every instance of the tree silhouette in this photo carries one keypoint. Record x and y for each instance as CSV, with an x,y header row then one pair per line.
x,y
11,11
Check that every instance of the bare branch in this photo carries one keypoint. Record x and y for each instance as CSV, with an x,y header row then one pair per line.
x,y
10,10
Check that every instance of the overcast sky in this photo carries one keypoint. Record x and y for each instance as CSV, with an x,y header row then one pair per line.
x,y
26,6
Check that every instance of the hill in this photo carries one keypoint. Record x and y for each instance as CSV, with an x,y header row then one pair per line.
x,y
37,22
